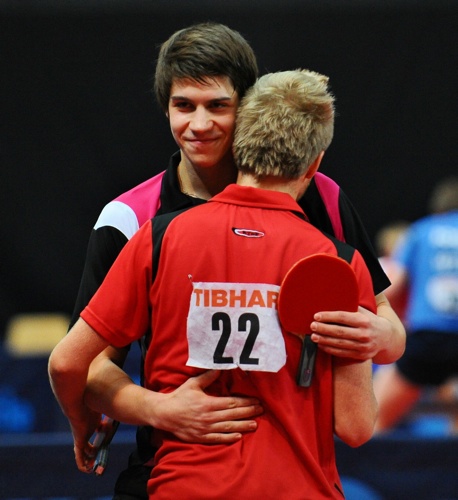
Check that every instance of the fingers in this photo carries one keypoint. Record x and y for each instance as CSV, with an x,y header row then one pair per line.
x,y
217,438
250,406
345,334
335,336
359,348
355,354
85,457
219,432
224,402
206,378
345,318
194,416
341,339
223,408
342,325
233,426
239,411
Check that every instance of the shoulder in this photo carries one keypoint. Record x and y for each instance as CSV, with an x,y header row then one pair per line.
x,y
323,188
322,204
142,191
161,222
129,211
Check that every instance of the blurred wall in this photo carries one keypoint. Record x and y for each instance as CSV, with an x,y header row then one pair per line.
x,y
79,124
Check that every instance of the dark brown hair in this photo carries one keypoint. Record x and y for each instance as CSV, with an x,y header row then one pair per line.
x,y
204,51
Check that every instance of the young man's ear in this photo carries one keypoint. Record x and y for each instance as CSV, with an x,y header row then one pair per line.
x,y
313,168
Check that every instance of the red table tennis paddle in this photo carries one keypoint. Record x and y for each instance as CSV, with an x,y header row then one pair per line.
x,y
320,282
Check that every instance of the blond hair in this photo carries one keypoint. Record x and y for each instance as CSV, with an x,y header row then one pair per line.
x,y
283,123
444,197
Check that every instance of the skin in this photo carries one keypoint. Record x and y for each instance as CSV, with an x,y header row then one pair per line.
x,y
202,122
396,395
362,334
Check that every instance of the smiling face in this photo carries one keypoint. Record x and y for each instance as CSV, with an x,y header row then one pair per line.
x,y
202,120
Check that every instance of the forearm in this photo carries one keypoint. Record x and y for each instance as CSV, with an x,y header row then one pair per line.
x,y
68,382
68,388
188,412
355,406
68,369
394,339
111,391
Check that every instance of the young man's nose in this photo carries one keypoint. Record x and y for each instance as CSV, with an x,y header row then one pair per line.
x,y
201,120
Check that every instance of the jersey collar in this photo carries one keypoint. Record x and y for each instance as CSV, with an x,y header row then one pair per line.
x,y
258,198
172,199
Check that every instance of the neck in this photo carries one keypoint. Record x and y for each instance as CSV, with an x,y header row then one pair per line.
x,y
294,187
205,182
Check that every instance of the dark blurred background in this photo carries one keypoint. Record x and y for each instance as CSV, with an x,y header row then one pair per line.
x,y
79,124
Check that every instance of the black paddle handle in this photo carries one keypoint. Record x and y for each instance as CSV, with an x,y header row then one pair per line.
x,y
307,362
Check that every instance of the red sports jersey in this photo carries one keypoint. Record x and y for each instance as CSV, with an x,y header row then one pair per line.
x,y
209,254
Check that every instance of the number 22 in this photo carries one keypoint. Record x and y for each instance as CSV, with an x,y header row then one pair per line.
x,y
223,319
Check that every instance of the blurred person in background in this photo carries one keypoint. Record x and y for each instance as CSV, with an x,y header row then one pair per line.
x,y
428,265
387,240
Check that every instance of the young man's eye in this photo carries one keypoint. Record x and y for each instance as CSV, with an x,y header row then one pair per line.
x,y
219,105
181,104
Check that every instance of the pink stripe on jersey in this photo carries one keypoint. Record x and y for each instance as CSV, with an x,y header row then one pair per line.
x,y
144,199
329,192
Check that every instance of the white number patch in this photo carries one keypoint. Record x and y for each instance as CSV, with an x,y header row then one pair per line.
x,y
442,292
234,325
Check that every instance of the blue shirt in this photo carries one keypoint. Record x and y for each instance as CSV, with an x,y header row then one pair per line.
x,y
429,255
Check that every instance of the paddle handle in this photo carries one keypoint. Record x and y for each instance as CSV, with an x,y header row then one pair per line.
x,y
307,362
